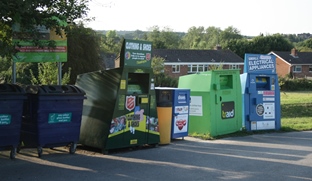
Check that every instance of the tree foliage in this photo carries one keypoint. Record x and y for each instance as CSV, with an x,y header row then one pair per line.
x,y
259,45
308,43
201,38
163,39
193,38
158,65
5,70
83,51
48,74
111,42
29,14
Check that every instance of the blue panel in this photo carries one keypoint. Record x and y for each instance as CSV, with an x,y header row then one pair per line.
x,y
257,63
180,113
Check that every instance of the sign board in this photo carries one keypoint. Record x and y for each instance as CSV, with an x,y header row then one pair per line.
x,y
259,63
5,119
28,52
135,53
59,117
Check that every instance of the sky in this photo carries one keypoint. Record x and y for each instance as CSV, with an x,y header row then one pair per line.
x,y
250,17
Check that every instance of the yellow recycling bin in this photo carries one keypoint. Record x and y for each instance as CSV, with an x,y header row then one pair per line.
x,y
164,124
164,114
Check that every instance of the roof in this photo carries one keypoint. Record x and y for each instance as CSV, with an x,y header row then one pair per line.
x,y
198,56
302,58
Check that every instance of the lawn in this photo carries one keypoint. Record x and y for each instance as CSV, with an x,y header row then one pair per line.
x,y
296,111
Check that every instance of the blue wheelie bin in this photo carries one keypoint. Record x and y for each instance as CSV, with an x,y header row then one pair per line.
x,y
12,98
52,117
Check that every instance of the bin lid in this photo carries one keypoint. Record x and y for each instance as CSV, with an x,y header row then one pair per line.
x,y
54,90
11,89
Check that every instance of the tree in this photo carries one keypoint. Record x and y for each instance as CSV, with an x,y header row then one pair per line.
x,y
201,38
29,14
158,65
171,40
193,38
212,37
230,33
48,74
5,70
259,45
265,44
308,43
304,46
83,51
111,42
239,46
163,39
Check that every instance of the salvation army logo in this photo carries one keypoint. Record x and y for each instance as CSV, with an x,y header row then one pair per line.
x,y
130,103
127,55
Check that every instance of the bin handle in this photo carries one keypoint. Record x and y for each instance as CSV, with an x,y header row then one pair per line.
x,y
216,98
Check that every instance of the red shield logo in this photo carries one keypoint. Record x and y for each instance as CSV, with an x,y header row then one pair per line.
x,y
130,103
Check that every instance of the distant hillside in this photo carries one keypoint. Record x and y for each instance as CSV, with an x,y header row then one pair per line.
x,y
137,34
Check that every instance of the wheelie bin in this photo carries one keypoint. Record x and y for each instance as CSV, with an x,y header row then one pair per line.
x,y
12,98
52,117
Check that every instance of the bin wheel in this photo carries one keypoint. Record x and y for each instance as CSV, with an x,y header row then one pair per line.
x,y
39,149
13,153
18,149
105,152
72,148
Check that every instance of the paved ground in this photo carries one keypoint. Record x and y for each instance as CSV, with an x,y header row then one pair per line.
x,y
274,156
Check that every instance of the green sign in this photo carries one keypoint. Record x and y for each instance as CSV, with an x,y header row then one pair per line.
x,y
136,53
59,117
5,119
29,53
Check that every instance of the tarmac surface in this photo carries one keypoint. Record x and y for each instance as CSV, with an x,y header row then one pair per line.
x,y
271,156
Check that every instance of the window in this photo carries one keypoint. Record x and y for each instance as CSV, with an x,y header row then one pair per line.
x,y
189,68
234,66
175,68
297,68
197,68
194,68
310,68
200,68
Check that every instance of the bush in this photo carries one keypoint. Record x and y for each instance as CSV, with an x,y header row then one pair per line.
x,y
163,80
288,84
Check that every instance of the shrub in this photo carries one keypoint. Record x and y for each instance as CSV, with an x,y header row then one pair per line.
x,y
288,84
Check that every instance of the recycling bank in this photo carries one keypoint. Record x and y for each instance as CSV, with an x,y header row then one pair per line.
x,y
261,94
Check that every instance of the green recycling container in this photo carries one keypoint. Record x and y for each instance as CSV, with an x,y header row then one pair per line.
x,y
216,101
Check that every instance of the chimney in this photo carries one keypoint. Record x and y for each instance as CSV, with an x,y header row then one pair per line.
x,y
294,52
218,47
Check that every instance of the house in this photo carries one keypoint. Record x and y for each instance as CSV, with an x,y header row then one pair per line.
x,y
295,64
180,62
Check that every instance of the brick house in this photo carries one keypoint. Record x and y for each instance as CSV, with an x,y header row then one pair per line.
x,y
180,62
293,63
